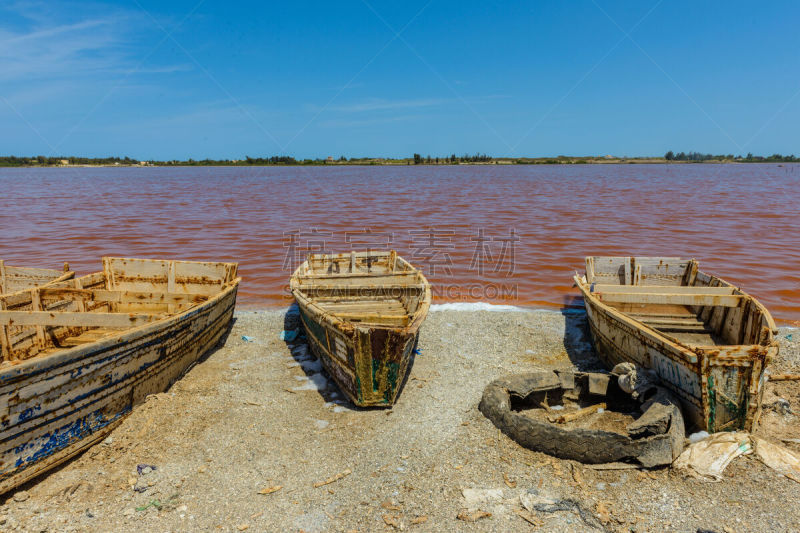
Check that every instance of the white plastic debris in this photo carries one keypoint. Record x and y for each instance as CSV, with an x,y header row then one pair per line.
x,y
707,459
475,498
697,437
778,458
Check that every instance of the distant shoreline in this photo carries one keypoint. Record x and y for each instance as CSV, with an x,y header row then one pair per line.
x,y
394,163
416,159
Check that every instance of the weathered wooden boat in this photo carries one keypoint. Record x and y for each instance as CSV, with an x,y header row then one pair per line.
x,y
708,341
13,279
362,312
77,355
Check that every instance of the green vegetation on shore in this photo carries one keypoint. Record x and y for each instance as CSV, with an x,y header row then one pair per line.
x,y
416,159
697,157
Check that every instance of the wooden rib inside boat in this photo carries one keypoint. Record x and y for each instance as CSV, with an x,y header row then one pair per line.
x,y
78,354
706,339
13,279
362,312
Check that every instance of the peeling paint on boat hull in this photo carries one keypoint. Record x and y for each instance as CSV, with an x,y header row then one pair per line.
x,y
52,408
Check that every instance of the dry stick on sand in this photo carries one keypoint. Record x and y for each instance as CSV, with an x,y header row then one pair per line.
x,y
392,520
569,417
473,516
784,377
528,517
333,479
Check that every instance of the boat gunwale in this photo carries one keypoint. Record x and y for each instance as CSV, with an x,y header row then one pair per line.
x,y
102,350
66,275
75,354
773,329
653,334
41,363
585,288
308,302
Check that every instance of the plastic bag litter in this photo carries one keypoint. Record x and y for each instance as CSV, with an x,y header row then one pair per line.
x,y
708,458
778,458
245,338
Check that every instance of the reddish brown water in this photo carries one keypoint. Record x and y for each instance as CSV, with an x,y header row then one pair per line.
x,y
504,234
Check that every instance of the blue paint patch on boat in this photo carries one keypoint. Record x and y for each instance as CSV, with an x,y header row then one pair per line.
x,y
40,447
28,413
64,436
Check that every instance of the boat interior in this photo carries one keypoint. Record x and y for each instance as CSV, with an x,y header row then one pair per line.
x,y
670,295
373,288
13,279
128,292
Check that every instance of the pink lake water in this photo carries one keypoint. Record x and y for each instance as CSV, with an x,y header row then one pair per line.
x,y
504,234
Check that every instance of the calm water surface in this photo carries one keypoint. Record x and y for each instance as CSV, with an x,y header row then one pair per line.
x,y
507,234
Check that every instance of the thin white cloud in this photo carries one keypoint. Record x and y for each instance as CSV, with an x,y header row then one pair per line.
x,y
166,69
55,41
381,105
12,39
378,104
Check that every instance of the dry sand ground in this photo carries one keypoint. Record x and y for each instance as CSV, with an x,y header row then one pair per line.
x,y
237,424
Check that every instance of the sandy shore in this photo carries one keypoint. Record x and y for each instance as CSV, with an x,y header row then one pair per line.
x,y
241,441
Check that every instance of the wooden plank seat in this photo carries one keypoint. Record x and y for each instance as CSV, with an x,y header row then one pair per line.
x,y
76,319
667,295
356,275
388,311
656,316
660,289
121,296
361,289
671,321
361,281
688,328
661,298
388,305
86,337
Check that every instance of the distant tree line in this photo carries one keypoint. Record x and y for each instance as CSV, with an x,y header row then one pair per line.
x,y
749,158
453,159
40,160
416,159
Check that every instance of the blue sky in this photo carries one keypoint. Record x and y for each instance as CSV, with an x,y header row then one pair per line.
x,y
219,79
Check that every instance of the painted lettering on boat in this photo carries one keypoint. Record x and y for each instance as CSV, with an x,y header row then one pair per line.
x,y
675,373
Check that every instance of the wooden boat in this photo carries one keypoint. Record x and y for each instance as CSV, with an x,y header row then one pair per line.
x,y
362,312
77,355
14,279
708,341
